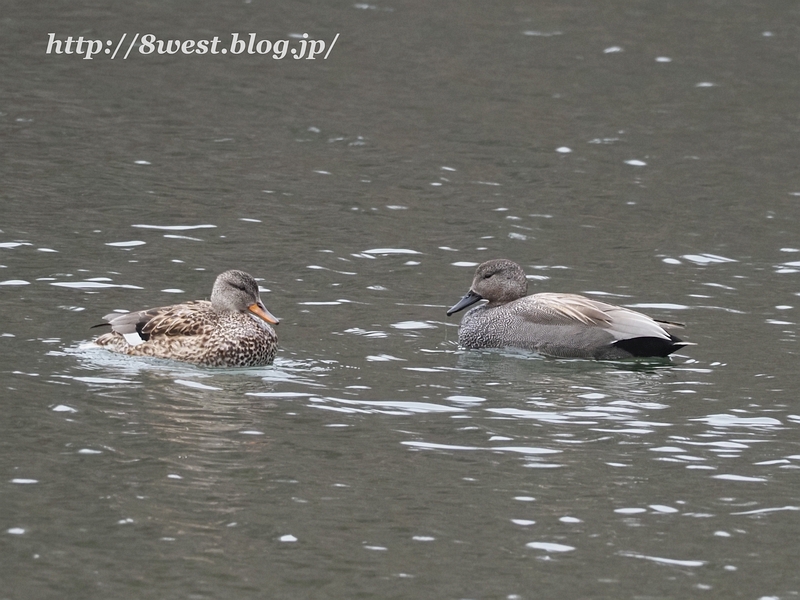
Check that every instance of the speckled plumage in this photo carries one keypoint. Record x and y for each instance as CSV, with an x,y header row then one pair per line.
x,y
231,330
561,325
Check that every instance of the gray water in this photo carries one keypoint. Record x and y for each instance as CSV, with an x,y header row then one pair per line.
x,y
644,153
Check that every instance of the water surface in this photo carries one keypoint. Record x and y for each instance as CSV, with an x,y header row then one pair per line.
x,y
642,154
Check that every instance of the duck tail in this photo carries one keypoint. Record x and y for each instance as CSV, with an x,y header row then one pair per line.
x,y
652,346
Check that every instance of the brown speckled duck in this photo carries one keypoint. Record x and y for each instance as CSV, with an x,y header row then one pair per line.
x,y
560,325
232,330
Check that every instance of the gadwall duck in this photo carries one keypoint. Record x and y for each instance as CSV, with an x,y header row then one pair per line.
x,y
561,325
232,330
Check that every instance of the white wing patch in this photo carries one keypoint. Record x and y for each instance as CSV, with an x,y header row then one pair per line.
x,y
133,338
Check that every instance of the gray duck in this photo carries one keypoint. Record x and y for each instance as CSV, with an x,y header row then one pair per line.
x,y
560,325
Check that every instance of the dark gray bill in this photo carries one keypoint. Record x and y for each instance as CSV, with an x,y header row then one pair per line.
x,y
468,300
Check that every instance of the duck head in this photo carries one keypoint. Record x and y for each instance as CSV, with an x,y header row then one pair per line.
x,y
237,291
499,281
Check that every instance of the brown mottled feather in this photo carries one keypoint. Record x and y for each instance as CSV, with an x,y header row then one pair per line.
x,y
220,333
189,318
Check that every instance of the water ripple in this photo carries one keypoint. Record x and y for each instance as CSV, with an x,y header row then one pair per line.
x,y
528,450
389,407
665,561
726,420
